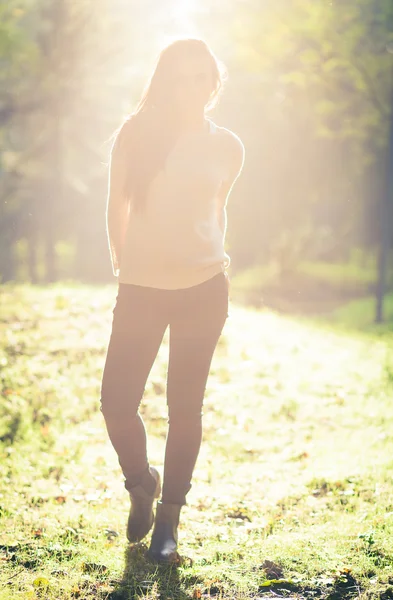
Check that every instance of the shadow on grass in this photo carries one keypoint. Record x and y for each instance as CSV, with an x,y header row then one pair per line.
x,y
144,577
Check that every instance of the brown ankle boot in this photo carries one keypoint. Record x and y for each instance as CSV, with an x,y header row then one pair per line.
x,y
163,545
141,517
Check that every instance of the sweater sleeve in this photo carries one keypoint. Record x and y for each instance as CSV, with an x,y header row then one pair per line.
x,y
118,208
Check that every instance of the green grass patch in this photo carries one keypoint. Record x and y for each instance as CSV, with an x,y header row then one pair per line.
x,y
292,492
360,315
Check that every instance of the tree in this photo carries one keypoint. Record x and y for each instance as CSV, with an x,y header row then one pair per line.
x,y
325,69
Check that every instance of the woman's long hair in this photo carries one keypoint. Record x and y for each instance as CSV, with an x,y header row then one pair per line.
x,y
145,138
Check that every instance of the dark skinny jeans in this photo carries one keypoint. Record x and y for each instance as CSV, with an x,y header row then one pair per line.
x,y
196,316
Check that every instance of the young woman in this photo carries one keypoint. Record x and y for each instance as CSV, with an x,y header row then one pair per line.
x,y
171,171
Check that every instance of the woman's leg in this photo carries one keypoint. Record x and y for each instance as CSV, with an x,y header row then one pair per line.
x,y
139,324
198,317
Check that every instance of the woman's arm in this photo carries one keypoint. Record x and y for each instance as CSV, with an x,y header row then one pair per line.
x,y
236,161
118,208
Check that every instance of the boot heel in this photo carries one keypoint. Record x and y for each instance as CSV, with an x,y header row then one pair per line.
x,y
163,545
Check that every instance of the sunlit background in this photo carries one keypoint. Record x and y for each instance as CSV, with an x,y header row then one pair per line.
x,y
309,93
292,492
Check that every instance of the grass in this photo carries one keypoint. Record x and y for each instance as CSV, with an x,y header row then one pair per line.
x,y
316,288
360,314
292,493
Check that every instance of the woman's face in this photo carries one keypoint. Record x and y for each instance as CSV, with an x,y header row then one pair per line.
x,y
191,80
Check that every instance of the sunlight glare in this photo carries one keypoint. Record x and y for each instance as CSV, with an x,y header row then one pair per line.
x,y
182,14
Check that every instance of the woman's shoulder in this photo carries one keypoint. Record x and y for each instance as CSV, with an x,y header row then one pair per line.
x,y
130,125
231,141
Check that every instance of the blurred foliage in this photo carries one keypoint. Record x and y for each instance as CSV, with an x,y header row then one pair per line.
x,y
55,118
308,92
320,74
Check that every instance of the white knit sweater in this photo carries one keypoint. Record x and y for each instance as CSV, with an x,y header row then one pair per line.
x,y
178,241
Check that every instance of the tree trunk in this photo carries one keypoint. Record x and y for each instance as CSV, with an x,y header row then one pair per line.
x,y
385,219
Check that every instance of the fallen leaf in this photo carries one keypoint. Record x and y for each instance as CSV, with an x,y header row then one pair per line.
x,y
60,499
40,582
93,567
